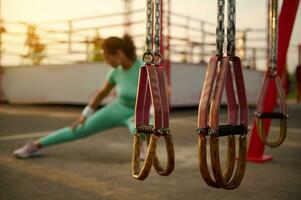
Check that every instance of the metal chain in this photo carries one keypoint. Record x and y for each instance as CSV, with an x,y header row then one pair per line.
x,y
149,25
152,52
157,36
273,21
148,55
231,29
220,30
157,26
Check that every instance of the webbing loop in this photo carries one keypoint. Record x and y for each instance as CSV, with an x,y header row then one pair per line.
x,y
223,73
272,77
152,90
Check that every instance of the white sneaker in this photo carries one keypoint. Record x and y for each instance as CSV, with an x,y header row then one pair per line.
x,y
143,150
27,151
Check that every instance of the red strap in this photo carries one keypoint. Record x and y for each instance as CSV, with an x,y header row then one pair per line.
x,y
143,99
152,89
206,92
218,92
223,78
230,93
164,98
155,95
241,91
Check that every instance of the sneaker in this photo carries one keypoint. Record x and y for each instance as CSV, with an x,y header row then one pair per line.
x,y
143,150
27,151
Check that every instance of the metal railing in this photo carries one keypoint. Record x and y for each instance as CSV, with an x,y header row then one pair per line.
x,y
192,40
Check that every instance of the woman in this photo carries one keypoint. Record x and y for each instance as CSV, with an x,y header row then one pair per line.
x,y
120,54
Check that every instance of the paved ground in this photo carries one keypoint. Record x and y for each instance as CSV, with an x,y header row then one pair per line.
x,y
99,167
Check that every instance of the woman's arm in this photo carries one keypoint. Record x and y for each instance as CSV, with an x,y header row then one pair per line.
x,y
93,104
100,95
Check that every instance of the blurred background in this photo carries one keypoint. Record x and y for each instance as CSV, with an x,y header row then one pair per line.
x,y
41,33
68,31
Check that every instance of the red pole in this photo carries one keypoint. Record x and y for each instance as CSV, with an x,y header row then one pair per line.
x,y
286,24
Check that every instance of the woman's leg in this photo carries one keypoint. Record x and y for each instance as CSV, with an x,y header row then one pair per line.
x,y
110,116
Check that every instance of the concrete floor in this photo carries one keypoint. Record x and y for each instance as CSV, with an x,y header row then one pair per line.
x,y
99,167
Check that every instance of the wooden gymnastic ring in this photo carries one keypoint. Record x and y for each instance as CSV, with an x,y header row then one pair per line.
x,y
203,164
170,158
216,167
263,137
142,173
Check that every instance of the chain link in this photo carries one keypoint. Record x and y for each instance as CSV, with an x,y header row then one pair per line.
x,y
231,29
149,25
220,30
157,26
273,24
152,52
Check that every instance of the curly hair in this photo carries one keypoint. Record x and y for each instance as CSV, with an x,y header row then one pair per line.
x,y
125,44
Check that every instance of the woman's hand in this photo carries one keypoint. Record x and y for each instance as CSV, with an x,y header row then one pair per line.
x,y
80,121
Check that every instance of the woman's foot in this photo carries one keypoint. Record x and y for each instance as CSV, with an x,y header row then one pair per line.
x,y
27,151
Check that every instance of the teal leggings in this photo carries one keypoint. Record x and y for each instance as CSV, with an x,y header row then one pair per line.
x,y
112,115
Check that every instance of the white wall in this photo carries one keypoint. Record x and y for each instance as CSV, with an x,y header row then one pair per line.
x,y
70,84
75,84
187,82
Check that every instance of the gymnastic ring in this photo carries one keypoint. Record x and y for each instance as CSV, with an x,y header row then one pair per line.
x,y
142,173
170,157
282,115
203,163
263,137
216,167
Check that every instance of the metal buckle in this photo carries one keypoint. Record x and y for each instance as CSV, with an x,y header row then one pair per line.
x,y
148,57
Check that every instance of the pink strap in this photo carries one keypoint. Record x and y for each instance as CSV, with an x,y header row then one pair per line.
x,y
230,93
156,96
206,92
241,91
152,89
143,99
164,98
225,77
218,92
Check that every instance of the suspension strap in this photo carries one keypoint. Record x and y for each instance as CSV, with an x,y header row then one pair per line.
x,y
152,90
272,77
231,61
206,95
221,74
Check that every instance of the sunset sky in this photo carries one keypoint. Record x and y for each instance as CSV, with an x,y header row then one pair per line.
x,y
249,13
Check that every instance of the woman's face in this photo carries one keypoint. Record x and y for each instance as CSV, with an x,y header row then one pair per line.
x,y
112,59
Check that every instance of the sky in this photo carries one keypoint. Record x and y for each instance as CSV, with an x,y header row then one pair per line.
x,y
249,13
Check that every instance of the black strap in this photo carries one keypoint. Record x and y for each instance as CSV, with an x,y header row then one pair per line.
x,y
271,115
228,129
